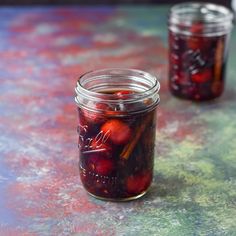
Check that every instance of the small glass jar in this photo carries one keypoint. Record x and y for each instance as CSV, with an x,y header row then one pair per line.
x,y
116,128
198,42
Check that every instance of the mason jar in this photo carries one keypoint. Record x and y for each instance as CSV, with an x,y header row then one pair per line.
x,y
116,132
198,46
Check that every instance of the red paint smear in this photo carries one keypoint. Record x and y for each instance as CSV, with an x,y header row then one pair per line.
x,y
65,50
72,71
59,167
10,231
62,121
94,229
63,91
50,198
149,54
56,194
65,22
22,28
184,125
106,45
73,25
69,108
13,54
83,14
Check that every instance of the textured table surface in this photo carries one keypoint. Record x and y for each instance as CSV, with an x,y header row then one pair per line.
x,y
42,52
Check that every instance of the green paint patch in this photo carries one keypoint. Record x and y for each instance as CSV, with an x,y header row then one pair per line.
x,y
204,168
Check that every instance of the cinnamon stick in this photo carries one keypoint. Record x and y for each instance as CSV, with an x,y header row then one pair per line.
x,y
219,59
219,56
128,149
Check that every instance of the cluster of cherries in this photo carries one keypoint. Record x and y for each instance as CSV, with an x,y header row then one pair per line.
x,y
116,150
197,64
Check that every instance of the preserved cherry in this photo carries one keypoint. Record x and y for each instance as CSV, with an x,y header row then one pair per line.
x,y
118,131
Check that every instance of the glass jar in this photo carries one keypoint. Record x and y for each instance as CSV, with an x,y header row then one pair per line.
x,y
116,128
198,42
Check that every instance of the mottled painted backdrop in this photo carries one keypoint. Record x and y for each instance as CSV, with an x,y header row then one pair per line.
x,y
42,52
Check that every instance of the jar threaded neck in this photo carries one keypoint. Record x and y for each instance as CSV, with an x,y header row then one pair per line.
x,y
97,86
214,19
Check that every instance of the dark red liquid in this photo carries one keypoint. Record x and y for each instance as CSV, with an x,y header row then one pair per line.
x,y
116,151
196,66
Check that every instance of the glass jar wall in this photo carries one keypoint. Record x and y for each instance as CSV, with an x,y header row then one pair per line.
x,y
116,128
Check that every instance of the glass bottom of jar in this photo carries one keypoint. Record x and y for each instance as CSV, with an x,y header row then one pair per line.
x,y
125,199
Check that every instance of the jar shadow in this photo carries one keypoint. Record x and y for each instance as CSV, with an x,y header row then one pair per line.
x,y
219,103
229,95
166,186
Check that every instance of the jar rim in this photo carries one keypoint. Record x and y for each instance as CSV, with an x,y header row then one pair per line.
x,y
115,72
93,86
216,19
206,12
